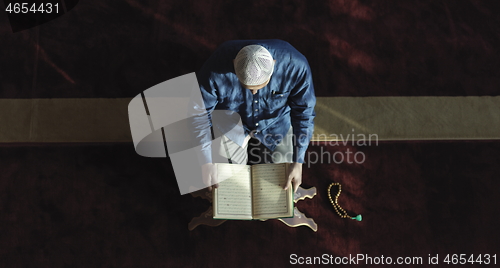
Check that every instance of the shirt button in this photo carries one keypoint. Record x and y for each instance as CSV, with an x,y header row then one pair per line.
x,y
256,124
256,110
256,101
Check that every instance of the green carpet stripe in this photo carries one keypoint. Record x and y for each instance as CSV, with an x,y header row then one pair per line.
x,y
338,118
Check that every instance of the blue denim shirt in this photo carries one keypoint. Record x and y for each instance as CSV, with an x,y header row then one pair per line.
x,y
287,100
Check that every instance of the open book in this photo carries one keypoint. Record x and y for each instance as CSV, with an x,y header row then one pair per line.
x,y
252,192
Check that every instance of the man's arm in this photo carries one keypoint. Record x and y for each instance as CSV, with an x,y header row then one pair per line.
x,y
202,120
301,101
201,126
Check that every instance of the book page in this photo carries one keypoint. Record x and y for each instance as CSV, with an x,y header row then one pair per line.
x,y
233,197
269,198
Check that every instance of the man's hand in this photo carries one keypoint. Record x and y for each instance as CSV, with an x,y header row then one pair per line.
x,y
209,174
294,176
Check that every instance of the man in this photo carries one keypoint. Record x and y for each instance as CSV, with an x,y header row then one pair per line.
x,y
269,84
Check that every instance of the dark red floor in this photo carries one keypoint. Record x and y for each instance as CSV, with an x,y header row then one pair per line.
x,y
105,206
355,48
102,205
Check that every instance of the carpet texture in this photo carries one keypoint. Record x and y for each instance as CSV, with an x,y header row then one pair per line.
x,y
337,119
105,206
114,48
102,205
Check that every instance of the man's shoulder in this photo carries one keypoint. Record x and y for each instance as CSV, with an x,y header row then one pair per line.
x,y
220,64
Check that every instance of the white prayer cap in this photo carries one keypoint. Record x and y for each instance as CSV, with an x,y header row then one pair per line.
x,y
253,65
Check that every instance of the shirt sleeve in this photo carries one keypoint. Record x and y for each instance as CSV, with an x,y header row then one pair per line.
x,y
302,101
201,118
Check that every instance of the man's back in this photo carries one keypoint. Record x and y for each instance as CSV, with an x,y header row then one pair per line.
x,y
266,113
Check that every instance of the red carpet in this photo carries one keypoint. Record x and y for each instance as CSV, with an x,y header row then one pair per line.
x,y
105,206
355,48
